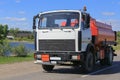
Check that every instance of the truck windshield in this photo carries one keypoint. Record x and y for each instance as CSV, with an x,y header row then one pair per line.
x,y
59,20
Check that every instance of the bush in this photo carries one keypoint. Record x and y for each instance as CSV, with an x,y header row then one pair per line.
x,y
20,51
5,49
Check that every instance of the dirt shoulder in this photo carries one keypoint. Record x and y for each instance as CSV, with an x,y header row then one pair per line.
x,y
117,52
22,68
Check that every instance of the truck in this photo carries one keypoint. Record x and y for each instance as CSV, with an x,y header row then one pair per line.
x,y
74,38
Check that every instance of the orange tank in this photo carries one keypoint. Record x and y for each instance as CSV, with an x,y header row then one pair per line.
x,y
101,32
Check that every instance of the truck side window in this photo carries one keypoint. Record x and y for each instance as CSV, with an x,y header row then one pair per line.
x,y
85,21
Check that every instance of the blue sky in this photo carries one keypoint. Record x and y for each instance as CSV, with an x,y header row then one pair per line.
x,y
19,13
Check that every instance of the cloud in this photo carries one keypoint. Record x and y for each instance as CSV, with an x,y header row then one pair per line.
x,y
21,12
19,25
22,26
18,1
15,19
108,13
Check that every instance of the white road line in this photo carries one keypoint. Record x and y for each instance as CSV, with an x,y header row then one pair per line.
x,y
99,71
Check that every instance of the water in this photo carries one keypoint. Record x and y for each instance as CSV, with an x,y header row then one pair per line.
x,y
26,44
29,46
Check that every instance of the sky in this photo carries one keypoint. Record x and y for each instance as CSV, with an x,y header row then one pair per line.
x,y
19,13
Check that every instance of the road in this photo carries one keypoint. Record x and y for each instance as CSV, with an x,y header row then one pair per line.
x,y
30,71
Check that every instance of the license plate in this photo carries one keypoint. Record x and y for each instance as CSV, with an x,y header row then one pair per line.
x,y
55,58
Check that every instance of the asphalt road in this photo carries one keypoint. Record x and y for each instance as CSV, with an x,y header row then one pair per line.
x,y
70,73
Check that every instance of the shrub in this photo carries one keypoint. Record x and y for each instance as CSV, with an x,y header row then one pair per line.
x,y
20,51
5,49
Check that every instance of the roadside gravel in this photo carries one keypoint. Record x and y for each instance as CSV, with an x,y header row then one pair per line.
x,y
22,68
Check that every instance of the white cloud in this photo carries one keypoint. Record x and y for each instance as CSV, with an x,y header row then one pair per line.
x,y
22,26
18,1
21,12
108,13
15,19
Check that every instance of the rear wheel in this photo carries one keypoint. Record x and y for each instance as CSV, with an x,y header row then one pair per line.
x,y
103,62
108,60
109,56
48,68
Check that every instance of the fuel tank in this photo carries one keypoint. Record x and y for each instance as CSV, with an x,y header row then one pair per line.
x,y
101,32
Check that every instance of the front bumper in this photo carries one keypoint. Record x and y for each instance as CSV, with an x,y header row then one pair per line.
x,y
45,63
57,58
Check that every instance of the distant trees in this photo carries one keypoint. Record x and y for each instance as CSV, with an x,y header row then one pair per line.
x,y
14,31
3,32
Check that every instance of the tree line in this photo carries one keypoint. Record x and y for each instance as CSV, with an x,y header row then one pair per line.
x,y
15,32
3,32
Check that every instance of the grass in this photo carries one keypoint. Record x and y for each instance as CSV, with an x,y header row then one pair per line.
x,y
117,47
9,60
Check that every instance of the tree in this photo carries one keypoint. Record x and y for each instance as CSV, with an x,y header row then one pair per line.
x,y
14,31
3,32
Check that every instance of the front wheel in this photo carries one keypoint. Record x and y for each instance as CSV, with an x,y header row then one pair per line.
x,y
48,68
89,63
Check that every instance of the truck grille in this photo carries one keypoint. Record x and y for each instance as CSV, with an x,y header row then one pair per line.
x,y
57,45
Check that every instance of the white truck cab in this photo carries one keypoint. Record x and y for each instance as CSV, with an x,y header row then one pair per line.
x,y
62,30
61,36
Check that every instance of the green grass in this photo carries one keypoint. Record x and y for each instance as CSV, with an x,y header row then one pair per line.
x,y
117,47
9,60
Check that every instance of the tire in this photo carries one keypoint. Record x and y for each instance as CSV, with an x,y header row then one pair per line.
x,y
48,68
108,57
89,63
103,62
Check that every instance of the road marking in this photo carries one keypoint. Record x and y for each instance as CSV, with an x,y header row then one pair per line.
x,y
99,71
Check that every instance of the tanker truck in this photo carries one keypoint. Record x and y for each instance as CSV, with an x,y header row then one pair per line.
x,y
74,38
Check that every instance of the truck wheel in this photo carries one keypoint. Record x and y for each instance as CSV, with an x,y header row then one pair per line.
x,y
89,63
48,68
109,56
103,62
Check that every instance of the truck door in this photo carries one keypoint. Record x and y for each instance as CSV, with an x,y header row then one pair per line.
x,y
86,33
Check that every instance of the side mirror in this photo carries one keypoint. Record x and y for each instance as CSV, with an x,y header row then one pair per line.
x,y
34,27
34,22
